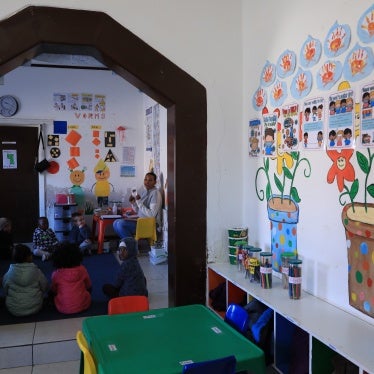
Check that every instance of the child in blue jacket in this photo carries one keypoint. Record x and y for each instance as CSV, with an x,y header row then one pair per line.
x,y
130,278
80,233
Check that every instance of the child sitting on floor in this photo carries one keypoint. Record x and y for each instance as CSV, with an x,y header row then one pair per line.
x,y
44,239
130,279
80,233
71,284
6,239
24,284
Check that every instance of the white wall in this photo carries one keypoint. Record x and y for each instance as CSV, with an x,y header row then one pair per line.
x,y
34,87
269,30
204,39
224,45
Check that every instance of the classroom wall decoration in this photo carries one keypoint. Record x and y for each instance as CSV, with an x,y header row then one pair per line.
x,y
85,105
312,124
310,52
102,187
77,178
254,137
335,122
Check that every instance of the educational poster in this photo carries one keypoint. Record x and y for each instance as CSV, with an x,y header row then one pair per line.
x,y
254,137
127,171
9,159
367,115
290,128
99,103
86,102
340,120
59,101
269,134
148,129
312,124
156,147
73,100
128,155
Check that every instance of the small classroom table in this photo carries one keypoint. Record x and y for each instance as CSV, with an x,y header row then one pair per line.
x,y
163,340
102,222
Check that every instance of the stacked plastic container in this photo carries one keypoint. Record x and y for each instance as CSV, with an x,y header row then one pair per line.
x,y
237,236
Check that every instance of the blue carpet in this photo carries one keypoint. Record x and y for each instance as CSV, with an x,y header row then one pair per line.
x,y
101,268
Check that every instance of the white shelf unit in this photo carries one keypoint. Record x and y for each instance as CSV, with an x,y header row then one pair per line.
x,y
328,329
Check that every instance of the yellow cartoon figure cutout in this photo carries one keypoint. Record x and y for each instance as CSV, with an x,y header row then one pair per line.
x,y
102,186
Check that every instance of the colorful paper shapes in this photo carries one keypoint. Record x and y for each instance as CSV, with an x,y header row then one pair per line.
x,y
73,137
72,163
337,40
60,127
286,64
358,64
75,151
365,26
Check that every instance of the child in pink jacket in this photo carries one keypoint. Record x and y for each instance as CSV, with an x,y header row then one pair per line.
x,y
71,284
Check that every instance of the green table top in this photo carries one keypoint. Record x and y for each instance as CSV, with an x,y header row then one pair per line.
x,y
162,340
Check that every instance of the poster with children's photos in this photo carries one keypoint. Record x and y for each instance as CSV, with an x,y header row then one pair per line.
x,y
254,137
269,134
367,115
341,120
312,124
289,141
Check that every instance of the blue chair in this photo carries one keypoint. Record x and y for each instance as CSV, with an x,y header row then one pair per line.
x,y
224,365
237,317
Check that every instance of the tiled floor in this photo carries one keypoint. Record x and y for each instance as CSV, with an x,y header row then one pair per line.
x,y
40,343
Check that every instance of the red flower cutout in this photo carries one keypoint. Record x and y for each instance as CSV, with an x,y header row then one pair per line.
x,y
342,169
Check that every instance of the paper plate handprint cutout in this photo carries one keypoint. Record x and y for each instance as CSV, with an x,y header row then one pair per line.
x,y
268,74
329,73
259,99
278,94
301,84
358,63
286,64
310,52
337,40
365,26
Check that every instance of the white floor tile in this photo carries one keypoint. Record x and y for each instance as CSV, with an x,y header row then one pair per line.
x,y
56,368
53,331
17,334
59,336
20,370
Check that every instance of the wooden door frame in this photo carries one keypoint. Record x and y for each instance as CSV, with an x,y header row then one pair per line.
x,y
37,29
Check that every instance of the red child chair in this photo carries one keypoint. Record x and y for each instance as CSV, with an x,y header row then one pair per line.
x,y
128,304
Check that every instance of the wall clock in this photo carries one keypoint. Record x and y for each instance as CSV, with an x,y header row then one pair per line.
x,y
8,105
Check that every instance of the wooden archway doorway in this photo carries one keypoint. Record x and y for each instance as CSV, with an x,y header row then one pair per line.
x,y
35,30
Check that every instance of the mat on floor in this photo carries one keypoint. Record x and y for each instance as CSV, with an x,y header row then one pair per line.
x,y
101,268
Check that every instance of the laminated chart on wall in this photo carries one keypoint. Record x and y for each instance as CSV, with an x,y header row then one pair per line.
x,y
289,139
254,137
340,120
127,168
367,115
312,124
270,121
